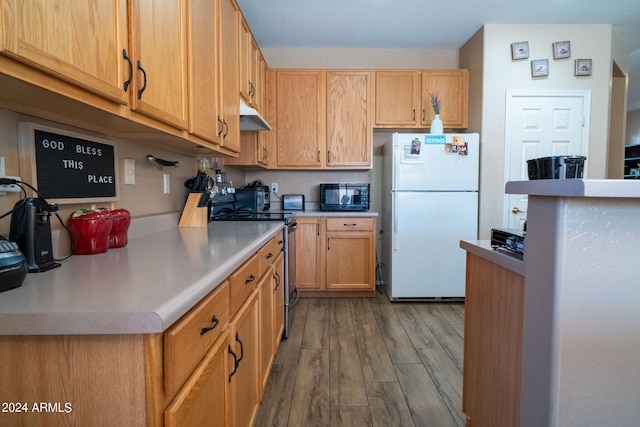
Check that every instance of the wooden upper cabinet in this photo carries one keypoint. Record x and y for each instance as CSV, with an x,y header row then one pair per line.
x,y
403,98
244,60
81,42
349,125
452,87
230,107
159,55
300,117
397,98
204,91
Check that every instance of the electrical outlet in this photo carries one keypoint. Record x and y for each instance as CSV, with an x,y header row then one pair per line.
x,y
274,187
10,187
167,183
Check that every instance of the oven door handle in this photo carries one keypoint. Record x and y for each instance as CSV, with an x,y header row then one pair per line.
x,y
293,227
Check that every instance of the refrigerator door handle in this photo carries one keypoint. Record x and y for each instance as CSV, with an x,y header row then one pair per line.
x,y
395,220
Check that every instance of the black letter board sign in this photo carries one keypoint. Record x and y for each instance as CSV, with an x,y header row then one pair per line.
x,y
70,167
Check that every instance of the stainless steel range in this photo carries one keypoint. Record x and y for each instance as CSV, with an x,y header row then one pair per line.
x,y
223,208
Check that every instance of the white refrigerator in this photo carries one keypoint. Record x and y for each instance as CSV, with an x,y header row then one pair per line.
x,y
430,203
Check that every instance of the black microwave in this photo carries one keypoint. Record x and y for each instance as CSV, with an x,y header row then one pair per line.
x,y
344,197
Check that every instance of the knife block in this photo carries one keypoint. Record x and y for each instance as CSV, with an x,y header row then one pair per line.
x,y
192,214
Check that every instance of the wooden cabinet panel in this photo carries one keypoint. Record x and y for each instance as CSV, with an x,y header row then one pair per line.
x,y
81,42
187,341
229,50
268,254
265,302
300,117
242,282
493,323
203,400
278,301
452,89
350,260
244,60
350,224
309,262
349,125
403,98
335,254
244,381
204,91
397,97
159,51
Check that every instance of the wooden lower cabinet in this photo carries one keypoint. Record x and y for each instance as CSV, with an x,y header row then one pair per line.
x,y
244,380
194,405
278,302
335,254
309,253
205,370
492,344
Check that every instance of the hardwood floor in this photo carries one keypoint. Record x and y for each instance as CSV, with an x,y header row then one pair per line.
x,y
367,362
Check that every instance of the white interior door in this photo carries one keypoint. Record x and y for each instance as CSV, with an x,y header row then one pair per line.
x,y
539,125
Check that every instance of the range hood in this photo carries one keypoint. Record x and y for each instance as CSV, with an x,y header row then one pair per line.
x,y
250,119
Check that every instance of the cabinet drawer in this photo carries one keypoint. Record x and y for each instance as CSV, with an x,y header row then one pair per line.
x,y
242,282
350,224
268,253
188,340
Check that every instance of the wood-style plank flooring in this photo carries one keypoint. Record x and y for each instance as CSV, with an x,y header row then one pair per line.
x,y
368,362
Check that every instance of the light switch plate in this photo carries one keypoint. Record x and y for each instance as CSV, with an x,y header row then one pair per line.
x,y
129,171
167,183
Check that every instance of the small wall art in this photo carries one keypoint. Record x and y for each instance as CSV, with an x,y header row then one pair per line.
x,y
539,67
583,67
562,50
520,50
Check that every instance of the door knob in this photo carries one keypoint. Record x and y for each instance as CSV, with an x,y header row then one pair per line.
x,y
515,210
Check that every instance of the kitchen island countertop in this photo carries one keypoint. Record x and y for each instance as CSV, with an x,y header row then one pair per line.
x,y
141,288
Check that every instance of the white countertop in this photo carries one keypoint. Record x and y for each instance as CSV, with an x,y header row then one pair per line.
x,y
483,249
141,288
607,188
318,212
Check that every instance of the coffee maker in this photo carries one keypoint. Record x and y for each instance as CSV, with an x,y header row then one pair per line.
x,y
31,230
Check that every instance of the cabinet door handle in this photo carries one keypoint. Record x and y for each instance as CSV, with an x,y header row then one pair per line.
x,y
318,156
206,329
144,81
226,129
277,277
128,81
328,240
413,117
235,362
423,114
350,225
328,156
269,255
221,123
250,279
241,348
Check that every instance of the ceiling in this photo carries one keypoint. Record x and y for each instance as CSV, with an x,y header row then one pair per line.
x,y
396,24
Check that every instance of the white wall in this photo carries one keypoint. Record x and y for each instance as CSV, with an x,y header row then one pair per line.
x,y
489,52
146,197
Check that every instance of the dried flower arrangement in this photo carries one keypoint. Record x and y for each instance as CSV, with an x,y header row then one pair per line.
x,y
435,102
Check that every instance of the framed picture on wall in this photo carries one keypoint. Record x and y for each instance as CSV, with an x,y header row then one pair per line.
x,y
583,67
539,67
520,50
562,50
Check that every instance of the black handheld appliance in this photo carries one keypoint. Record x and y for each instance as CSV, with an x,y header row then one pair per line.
x,y
31,230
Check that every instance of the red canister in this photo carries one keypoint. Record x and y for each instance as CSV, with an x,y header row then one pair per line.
x,y
90,231
118,238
